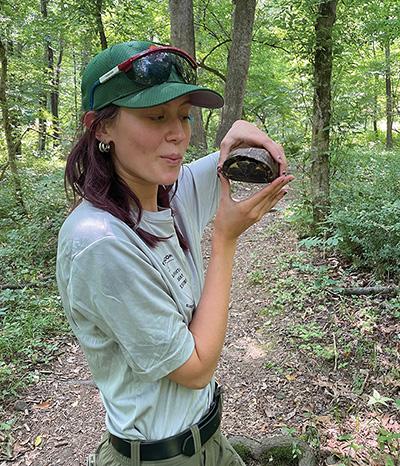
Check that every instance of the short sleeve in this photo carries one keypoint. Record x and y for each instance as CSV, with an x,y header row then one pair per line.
x,y
199,189
113,285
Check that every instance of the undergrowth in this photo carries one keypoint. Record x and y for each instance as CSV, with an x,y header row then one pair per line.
x,y
349,340
30,309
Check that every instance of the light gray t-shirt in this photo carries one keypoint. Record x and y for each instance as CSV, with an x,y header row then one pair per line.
x,y
130,305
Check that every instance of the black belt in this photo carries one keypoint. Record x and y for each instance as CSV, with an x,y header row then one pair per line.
x,y
177,444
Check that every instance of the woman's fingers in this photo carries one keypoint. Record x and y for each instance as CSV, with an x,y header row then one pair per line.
x,y
234,217
226,146
264,200
225,185
271,203
243,133
277,153
268,192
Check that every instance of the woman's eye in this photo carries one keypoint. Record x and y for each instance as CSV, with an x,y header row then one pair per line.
x,y
157,117
187,117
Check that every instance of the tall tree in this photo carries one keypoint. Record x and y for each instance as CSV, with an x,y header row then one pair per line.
x,y
375,97
182,35
12,140
389,98
51,91
98,4
382,22
55,95
238,65
43,98
325,21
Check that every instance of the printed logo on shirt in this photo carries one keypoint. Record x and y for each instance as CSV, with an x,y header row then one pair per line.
x,y
167,258
178,275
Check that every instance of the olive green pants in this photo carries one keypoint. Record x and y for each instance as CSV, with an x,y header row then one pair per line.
x,y
217,451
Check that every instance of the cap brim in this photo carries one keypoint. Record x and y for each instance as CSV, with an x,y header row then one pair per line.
x,y
165,92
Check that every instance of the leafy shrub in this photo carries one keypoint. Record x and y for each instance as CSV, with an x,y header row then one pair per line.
x,y
365,211
29,241
364,222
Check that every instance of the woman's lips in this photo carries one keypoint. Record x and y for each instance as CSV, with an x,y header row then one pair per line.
x,y
172,159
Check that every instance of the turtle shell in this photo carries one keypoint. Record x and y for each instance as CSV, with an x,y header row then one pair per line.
x,y
251,165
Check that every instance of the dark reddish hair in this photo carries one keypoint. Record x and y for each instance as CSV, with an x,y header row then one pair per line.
x,y
92,176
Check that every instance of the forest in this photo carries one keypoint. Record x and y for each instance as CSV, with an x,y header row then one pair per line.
x,y
321,77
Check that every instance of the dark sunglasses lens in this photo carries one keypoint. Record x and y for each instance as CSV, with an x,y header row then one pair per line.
x,y
186,71
152,69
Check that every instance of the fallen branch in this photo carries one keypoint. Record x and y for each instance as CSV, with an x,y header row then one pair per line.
x,y
369,291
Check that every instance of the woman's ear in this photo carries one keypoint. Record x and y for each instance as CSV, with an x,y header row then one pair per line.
x,y
101,131
88,118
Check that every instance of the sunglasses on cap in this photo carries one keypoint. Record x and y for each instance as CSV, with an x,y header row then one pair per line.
x,y
151,67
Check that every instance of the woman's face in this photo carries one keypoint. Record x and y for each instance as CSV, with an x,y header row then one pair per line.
x,y
149,143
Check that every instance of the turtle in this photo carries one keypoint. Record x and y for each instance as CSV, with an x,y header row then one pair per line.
x,y
251,165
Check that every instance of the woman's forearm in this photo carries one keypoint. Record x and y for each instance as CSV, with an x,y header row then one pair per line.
x,y
208,325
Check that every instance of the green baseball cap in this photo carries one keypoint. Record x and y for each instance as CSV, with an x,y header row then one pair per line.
x,y
125,92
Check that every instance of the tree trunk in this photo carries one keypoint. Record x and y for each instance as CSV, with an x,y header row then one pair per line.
x,y
85,53
50,80
76,90
238,65
182,36
375,97
100,25
375,117
389,99
322,110
54,98
44,96
42,127
11,141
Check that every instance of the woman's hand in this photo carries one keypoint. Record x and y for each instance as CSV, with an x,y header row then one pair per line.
x,y
234,217
231,220
245,134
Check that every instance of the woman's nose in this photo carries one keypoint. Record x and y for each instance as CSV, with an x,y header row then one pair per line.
x,y
176,130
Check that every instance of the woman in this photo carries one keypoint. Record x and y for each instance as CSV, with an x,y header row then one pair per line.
x,y
129,265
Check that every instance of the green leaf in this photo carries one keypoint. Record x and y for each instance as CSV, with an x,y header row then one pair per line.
x,y
377,398
345,437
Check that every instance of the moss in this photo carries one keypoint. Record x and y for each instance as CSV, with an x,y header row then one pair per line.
x,y
279,456
243,451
